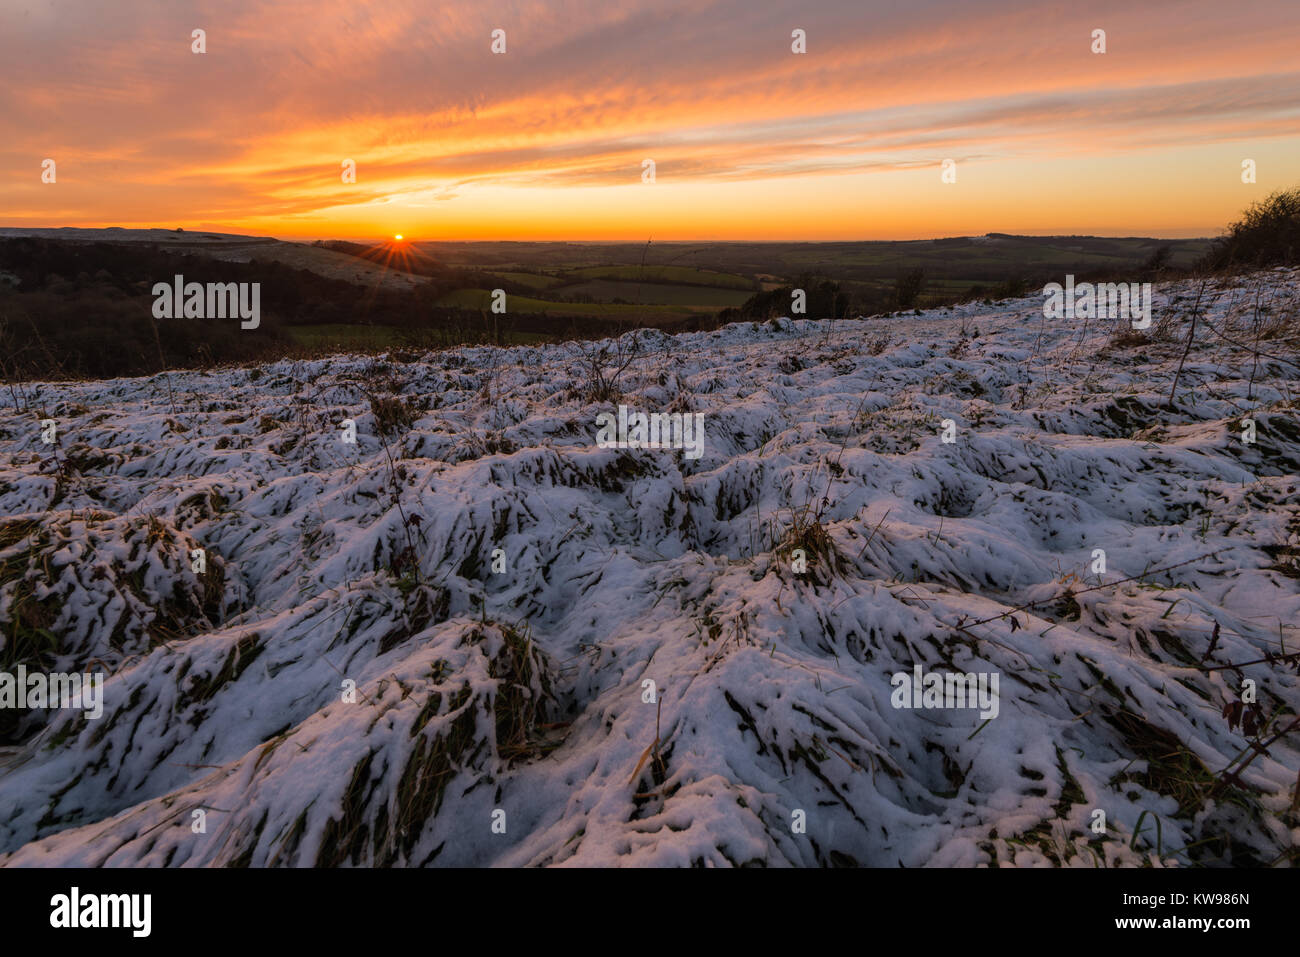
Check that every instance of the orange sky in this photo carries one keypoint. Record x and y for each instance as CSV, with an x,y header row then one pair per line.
x,y
546,141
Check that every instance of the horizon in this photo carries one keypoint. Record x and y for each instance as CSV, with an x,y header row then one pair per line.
x,y
541,134
408,240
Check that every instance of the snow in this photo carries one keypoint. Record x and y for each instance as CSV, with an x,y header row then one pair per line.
x,y
522,691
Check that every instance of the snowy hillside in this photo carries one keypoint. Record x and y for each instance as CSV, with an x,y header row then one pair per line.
x,y
501,589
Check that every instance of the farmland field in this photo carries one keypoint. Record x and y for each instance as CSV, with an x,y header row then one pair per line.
x,y
686,275
482,299
606,290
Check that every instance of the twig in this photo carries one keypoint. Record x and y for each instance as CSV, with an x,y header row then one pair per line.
x,y
1257,748
1084,591
1269,659
1191,332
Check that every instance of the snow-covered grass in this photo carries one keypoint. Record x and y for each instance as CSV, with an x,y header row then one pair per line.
x,y
525,690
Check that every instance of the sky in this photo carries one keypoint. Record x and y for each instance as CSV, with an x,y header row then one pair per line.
x,y
548,139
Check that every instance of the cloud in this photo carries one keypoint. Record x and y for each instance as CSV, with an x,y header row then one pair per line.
x,y
258,125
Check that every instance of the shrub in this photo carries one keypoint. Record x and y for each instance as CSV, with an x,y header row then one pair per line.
x,y
1268,234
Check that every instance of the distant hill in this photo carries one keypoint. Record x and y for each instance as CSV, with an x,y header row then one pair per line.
x,y
232,247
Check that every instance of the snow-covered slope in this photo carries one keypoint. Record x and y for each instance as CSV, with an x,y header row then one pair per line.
x,y
525,690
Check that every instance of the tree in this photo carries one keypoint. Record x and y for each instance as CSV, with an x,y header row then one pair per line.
x,y
907,287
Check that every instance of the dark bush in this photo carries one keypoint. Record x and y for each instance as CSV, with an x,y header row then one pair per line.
x,y
1268,234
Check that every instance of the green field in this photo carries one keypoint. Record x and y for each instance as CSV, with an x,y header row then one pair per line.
x,y
606,290
682,275
530,279
482,299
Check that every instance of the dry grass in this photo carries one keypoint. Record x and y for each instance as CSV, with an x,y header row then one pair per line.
x,y
392,413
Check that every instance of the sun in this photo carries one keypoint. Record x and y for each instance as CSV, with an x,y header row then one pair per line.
x,y
399,254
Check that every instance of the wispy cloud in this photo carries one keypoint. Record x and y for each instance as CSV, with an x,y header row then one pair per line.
x,y
254,130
